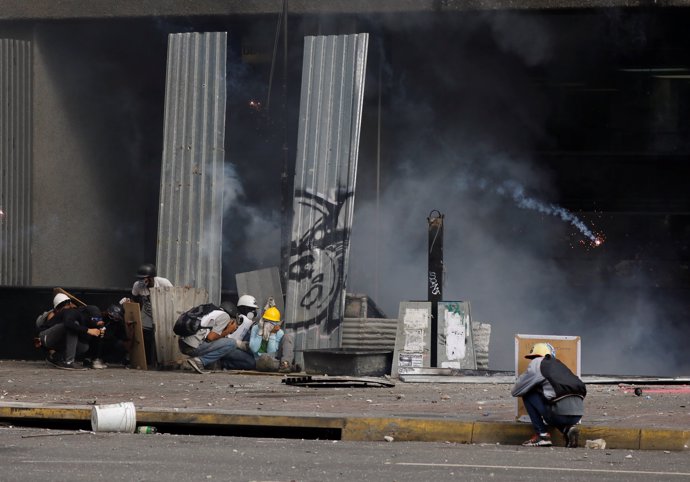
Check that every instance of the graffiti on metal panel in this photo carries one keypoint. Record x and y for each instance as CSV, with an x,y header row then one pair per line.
x,y
433,284
317,256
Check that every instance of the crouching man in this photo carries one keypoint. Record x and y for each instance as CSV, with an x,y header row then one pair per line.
x,y
552,394
211,343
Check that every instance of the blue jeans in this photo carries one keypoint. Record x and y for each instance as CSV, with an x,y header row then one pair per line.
x,y
210,351
539,413
238,360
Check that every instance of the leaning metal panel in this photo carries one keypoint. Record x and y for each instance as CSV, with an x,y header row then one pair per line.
x,y
15,162
262,284
333,74
167,305
191,196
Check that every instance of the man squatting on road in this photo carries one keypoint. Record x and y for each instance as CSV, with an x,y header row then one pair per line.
x,y
552,394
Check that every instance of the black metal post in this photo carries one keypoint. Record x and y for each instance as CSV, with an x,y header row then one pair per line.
x,y
435,276
286,194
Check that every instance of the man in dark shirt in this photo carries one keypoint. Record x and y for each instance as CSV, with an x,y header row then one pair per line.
x,y
67,332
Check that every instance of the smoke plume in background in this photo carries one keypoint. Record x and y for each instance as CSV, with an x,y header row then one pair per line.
x,y
509,263
459,141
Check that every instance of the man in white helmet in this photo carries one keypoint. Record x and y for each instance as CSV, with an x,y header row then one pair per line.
x,y
67,333
247,311
552,394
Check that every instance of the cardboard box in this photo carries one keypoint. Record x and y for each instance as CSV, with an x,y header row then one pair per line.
x,y
567,350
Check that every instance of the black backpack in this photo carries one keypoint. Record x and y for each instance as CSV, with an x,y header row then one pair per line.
x,y
189,322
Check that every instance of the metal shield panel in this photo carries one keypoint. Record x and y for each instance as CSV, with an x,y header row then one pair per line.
x,y
190,219
325,173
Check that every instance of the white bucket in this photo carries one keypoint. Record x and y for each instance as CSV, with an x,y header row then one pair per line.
x,y
118,417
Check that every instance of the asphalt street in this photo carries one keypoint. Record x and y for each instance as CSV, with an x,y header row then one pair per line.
x,y
37,454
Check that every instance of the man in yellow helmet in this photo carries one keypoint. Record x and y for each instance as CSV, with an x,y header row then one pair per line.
x,y
552,394
269,343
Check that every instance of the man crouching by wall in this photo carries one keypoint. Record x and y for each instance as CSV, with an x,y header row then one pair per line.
x,y
552,394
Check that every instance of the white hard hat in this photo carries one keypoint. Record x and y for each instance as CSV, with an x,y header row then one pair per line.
x,y
60,298
247,300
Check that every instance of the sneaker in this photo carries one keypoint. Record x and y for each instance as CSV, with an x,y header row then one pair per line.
x,y
538,440
98,364
284,367
63,365
54,359
196,365
572,436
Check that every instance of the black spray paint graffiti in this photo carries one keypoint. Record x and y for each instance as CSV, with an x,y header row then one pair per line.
x,y
317,260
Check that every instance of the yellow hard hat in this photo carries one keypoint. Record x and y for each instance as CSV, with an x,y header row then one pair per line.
x,y
541,349
272,314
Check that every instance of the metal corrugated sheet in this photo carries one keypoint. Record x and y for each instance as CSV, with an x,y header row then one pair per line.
x,y
190,219
481,334
333,74
15,162
167,304
369,333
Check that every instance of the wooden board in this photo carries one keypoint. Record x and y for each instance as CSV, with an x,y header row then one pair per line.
x,y
137,353
567,350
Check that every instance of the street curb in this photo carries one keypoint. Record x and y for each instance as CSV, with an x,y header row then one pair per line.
x,y
363,428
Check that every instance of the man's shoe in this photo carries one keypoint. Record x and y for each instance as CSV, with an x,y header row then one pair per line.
x,y
54,359
63,365
98,364
539,440
572,436
196,365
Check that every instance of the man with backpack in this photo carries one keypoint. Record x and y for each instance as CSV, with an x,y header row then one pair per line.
x,y
204,336
552,395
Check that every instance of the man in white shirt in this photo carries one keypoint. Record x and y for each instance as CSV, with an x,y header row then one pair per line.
x,y
212,343
141,294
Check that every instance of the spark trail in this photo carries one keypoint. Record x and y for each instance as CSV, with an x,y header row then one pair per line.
x,y
516,192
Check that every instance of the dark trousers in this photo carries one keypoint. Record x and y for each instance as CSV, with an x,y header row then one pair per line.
x,y
540,413
150,347
65,342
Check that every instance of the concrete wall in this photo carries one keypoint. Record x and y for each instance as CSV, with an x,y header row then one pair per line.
x,y
90,186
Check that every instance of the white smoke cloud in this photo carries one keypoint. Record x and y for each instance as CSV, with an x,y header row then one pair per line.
x,y
516,266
